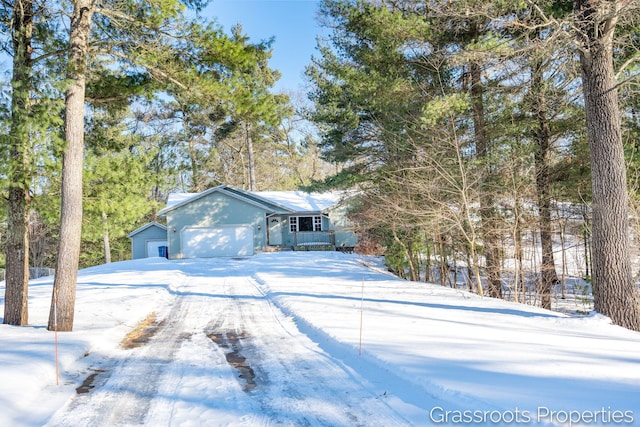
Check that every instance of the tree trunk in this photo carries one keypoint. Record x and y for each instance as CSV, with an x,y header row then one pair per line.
x,y
543,186
613,288
64,285
411,259
586,240
252,162
195,169
472,241
489,231
105,238
517,252
16,310
442,265
563,251
427,267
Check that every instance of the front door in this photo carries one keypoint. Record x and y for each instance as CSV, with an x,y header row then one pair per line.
x,y
275,230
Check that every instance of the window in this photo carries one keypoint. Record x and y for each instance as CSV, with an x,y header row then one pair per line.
x,y
305,223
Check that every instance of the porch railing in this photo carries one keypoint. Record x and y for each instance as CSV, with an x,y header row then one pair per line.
x,y
314,238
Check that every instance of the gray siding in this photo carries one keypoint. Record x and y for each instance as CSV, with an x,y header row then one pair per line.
x,y
345,237
139,240
214,210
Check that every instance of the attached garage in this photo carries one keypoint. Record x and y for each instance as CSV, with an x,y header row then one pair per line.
x,y
226,221
222,241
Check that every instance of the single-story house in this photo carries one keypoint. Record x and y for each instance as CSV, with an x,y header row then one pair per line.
x,y
150,240
228,221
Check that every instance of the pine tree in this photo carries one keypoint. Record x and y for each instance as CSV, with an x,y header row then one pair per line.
x,y
115,168
254,106
19,175
62,310
613,287
154,38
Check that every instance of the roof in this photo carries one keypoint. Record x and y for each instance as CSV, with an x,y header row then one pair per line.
x,y
144,227
301,201
288,201
175,198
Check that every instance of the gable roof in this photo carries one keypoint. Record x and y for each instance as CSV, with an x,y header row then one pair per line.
x,y
271,201
144,227
300,201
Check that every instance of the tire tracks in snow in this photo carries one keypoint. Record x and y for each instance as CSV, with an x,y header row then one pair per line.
x,y
123,389
395,391
297,383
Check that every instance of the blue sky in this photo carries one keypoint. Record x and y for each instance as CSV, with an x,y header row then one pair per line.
x,y
292,23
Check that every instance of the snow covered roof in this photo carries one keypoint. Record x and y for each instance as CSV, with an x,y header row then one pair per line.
x,y
176,198
294,201
301,201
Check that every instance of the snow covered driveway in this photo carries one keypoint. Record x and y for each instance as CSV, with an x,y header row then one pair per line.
x,y
274,339
223,349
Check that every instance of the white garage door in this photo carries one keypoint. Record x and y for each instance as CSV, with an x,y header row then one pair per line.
x,y
218,241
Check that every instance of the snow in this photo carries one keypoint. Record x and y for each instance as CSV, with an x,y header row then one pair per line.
x,y
298,201
177,198
308,338
301,201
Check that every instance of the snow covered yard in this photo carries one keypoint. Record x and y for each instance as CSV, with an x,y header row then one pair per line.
x,y
309,338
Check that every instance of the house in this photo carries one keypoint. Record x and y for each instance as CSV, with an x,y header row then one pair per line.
x,y
228,221
150,240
